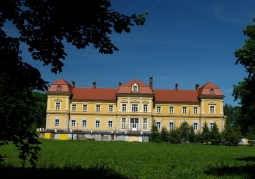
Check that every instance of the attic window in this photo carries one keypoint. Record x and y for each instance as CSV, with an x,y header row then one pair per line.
x,y
135,88
211,91
58,88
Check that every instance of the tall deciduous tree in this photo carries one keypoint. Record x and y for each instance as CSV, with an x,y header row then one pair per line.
x,y
245,90
44,25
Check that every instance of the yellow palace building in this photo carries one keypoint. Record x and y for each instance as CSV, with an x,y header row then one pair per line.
x,y
126,112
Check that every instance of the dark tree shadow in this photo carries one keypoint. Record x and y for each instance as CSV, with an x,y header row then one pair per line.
x,y
65,172
246,171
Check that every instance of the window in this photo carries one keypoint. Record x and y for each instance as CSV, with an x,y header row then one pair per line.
x,y
84,123
110,108
184,110
123,124
211,125
110,124
145,122
56,122
85,107
211,91
171,109
57,106
97,107
58,88
212,111
134,107
158,109
171,125
74,107
124,107
195,110
158,124
145,108
135,89
97,123
134,123
73,122
195,126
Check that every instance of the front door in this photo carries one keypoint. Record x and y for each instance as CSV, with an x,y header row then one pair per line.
x,y
134,123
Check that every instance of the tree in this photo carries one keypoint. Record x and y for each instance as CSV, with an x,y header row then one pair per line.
x,y
155,135
175,136
184,131
232,135
245,90
44,25
205,133
215,136
164,135
40,108
192,135
233,114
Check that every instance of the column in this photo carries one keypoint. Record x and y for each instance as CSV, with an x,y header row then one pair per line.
x,y
118,122
48,103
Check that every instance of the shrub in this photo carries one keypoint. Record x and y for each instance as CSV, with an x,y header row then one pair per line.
x,y
155,135
175,136
164,135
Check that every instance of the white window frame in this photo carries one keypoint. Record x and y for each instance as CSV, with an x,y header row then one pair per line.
x,y
184,110
158,124
74,107
158,108
97,123
173,125
210,110
55,122
195,110
195,126
58,106
110,123
135,107
123,107
84,120
85,107
145,108
73,122
211,125
145,123
171,110
110,108
135,88
98,107
123,123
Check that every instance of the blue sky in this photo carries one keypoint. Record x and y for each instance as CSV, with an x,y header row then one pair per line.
x,y
183,41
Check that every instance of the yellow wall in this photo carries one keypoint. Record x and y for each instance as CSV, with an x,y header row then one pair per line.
x,y
66,114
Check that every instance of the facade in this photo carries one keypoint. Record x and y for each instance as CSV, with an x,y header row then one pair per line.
x,y
126,113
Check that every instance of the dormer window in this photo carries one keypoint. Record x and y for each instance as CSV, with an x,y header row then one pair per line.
x,y
211,91
135,88
59,88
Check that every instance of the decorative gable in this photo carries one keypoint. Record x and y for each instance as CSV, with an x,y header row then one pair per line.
x,y
135,88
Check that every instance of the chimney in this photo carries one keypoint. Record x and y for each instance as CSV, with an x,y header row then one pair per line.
x,y
73,84
120,83
197,86
151,81
176,86
94,85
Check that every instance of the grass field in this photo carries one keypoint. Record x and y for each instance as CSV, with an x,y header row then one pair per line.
x,y
90,159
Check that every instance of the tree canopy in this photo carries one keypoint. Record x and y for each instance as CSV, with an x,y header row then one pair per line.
x,y
44,25
245,90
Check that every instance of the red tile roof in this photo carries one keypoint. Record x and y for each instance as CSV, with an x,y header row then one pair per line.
x,y
109,94
94,94
176,96
127,87
205,90
65,86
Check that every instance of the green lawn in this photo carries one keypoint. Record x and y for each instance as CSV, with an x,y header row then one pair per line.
x,y
133,160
